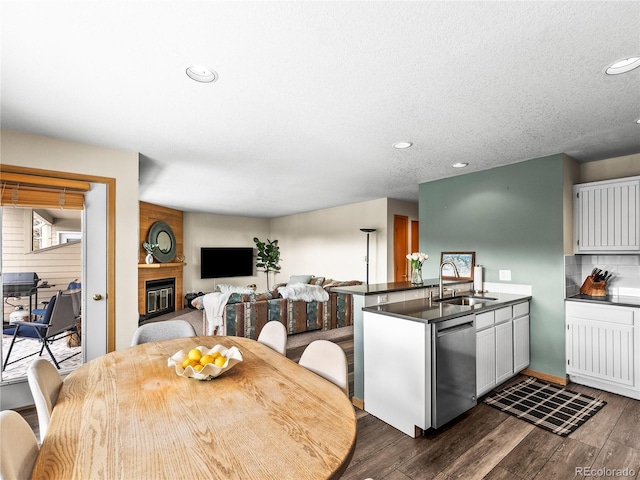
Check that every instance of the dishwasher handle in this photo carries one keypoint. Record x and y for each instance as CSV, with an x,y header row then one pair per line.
x,y
454,329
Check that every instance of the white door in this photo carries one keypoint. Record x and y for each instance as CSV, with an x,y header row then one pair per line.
x,y
94,288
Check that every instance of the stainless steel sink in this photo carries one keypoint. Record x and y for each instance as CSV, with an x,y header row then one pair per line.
x,y
466,300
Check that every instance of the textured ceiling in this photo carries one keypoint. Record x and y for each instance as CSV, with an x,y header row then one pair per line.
x,y
311,95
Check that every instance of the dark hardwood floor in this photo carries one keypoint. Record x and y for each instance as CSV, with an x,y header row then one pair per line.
x,y
486,443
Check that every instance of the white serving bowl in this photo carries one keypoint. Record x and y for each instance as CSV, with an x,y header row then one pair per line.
x,y
210,371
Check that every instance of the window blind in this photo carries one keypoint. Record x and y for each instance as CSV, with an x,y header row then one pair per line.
x,y
20,190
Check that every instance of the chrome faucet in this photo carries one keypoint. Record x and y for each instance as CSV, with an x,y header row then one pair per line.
x,y
456,274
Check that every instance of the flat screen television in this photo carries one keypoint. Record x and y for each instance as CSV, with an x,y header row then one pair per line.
x,y
219,262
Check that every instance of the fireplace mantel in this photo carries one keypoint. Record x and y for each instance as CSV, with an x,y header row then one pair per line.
x,y
161,265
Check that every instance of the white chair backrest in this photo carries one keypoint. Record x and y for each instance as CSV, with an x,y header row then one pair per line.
x,y
274,335
18,447
45,383
162,330
328,360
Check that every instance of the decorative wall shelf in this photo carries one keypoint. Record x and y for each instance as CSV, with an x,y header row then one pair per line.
x,y
161,265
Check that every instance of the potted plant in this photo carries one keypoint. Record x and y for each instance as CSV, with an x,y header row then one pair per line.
x,y
268,256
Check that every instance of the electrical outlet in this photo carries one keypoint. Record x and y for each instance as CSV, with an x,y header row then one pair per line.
x,y
505,275
382,299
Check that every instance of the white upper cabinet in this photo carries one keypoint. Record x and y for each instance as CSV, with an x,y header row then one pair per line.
x,y
607,216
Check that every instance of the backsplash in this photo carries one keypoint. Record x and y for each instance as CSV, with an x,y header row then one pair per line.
x,y
625,269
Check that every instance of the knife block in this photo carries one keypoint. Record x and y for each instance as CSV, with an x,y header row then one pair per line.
x,y
594,289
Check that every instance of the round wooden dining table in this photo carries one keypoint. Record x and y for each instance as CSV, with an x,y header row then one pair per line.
x,y
128,415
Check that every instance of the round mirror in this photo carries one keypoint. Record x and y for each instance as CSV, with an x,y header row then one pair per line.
x,y
164,242
161,234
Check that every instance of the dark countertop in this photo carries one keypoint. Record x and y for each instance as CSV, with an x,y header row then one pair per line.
x,y
425,310
377,288
619,300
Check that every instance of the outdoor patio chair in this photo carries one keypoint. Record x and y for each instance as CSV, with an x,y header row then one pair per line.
x,y
59,322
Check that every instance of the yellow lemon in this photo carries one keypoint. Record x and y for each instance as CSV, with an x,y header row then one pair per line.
x,y
198,367
195,354
186,363
206,359
219,361
215,354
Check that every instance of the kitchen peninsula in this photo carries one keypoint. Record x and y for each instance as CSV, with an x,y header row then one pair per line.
x,y
412,349
383,293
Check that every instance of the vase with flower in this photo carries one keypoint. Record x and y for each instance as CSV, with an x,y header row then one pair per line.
x,y
149,248
417,259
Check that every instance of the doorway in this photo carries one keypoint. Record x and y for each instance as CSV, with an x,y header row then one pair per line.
x,y
98,237
41,254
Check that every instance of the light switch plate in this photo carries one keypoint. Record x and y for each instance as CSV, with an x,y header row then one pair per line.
x,y
505,275
382,299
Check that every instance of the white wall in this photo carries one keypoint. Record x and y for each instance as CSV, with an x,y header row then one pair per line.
x,y
610,168
209,230
36,151
325,242
329,242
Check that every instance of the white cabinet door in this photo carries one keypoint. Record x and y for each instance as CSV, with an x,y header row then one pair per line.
x,y
485,360
607,216
520,343
504,351
603,350
602,343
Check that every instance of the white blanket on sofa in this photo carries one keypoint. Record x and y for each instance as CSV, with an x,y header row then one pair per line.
x,y
214,304
303,291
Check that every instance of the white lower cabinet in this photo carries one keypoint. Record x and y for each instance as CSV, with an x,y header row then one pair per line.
x,y
603,347
485,360
521,322
502,345
504,351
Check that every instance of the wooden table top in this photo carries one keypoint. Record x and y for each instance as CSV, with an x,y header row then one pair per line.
x,y
128,415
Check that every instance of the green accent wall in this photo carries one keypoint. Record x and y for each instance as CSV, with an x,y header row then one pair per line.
x,y
511,217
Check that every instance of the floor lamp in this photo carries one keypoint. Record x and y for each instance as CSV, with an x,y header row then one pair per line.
x,y
368,232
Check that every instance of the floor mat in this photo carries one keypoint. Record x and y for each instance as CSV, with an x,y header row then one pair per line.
x,y
547,406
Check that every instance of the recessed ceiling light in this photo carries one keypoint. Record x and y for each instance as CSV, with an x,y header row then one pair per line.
x,y
623,66
401,145
638,121
201,74
460,165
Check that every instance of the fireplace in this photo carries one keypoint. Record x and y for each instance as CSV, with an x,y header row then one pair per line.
x,y
160,297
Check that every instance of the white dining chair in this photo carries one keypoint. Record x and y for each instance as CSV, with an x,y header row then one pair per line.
x,y
328,360
18,447
163,330
45,383
274,335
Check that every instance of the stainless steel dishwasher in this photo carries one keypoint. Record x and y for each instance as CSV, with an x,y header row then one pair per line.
x,y
453,368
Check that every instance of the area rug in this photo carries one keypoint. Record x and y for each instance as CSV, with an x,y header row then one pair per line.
x,y
547,406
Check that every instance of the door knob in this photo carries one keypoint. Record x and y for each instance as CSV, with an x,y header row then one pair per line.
x,y
97,296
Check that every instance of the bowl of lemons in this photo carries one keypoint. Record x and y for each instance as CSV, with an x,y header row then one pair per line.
x,y
204,363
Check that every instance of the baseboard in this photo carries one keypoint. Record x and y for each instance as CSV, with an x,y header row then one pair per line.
x,y
546,377
357,403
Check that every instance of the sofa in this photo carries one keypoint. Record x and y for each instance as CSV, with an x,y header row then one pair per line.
x,y
246,313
